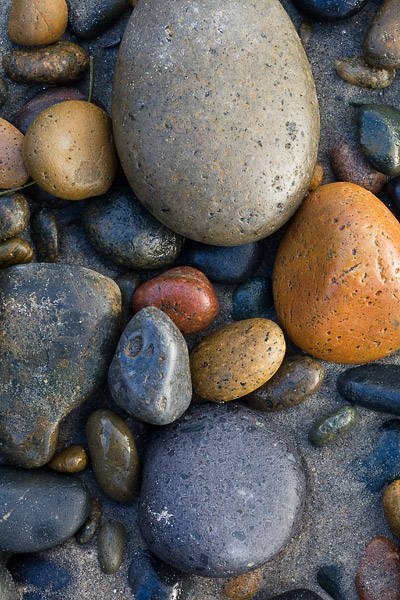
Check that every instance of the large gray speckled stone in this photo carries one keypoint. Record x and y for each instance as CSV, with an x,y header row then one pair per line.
x,y
149,376
222,491
215,116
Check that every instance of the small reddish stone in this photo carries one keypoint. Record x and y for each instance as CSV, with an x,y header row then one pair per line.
x,y
184,294
378,576
348,164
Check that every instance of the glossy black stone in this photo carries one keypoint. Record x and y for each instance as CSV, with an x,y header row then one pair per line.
x,y
150,578
374,386
128,283
329,10
45,235
3,91
329,578
33,569
90,18
379,135
299,594
392,190
252,298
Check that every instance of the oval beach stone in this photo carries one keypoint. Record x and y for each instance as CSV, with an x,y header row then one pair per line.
x,y
376,387
215,117
378,576
222,491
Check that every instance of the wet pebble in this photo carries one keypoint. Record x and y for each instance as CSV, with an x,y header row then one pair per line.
x,y
15,252
128,283
242,587
88,530
252,298
90,18
14,215
356,71
375,386
149,376
381,45
12,169
391,506
329,578
379,134
149,577
329,10
333,426
348,164
3,91
297,377
71,460
184,294
38,571
37,23
378,576
45,235
113,455
111,542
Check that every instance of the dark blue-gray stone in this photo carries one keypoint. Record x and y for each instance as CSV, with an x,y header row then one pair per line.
x,y
45,235
8,590
33,569
252,298
299,594
151,579
149,376
90,18
39,510
222,491
379,135
329,578
329,10
374,386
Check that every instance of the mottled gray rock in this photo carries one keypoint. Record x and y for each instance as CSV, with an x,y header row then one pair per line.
x,y
149,376
215,117
222,491
58,329
111,546
91,17
39,510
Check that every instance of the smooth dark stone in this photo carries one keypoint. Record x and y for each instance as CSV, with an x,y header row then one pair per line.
x,y
40,196
150,578
128,283
120,228
210,459
47,370
329,578
14,215
45,235
8,590
223,264
90,18
88,530
374,386
299,594
329,10
252,298
15,252
379,134
392,189
111,546
382,464
333,426
3,91
33,596
54,507
33,569
149,376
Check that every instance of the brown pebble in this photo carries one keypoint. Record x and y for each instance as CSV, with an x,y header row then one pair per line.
x,y
356,71
391,506
71,460
381,47
15,252
37,22
61,62
305,32
378,576
348,164
12,168
242,587
317,177
14,215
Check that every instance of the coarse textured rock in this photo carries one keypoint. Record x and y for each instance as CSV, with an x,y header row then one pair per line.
x,y
236,508
113,455
149,376
297,377
54,506
252,298
45,235
90,18
381,45
348,164
111,542
184,294
336,276
8,591
236,359
61,62
128,283
355,70
88,530
15,252
378,576
14,215
333,426
375,386
149,578
243,586
220,141
65,360
122,230
329,10
391,506
379,135
71,460
13,172
329,578
224,264
38,571
37,22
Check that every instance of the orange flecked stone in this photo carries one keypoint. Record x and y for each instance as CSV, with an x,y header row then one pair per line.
x,y
242,587
184,294
336,279
12,169
378,576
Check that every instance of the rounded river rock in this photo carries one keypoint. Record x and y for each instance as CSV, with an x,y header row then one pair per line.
x,y
215,116
222,491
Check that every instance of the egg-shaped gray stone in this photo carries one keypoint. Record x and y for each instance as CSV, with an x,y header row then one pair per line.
x,y
215,116
222,491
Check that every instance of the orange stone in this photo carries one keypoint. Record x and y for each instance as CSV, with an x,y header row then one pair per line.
x,y
243,587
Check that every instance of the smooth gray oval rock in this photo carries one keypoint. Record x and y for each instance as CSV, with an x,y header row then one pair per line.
x,y
215,116
39,510
111,546
222,491
149,376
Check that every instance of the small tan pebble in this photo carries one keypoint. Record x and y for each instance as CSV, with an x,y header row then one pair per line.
x,y
12,168
242,587
15,252
305,32
391,506
356,71
37,22
317,177
348,164
71,460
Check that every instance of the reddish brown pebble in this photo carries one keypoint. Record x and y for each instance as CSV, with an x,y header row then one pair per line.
x,y
12,169
242,587
349,164
184,294
316,178
378,576
391,506
70,460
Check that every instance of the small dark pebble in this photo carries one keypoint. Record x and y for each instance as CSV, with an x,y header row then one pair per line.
x,y
374,386
14,215
40,196
88,530
111,546
379,133
392,189
333,426
329,10
252,298
150,578
128,283
45,235
112,44
15,252
90,18
329,578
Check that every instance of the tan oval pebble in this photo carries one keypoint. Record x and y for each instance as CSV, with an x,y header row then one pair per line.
x,y
236,359
317,177
391,506
356,71
37,22
12,169
242,587
71,460
15,252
